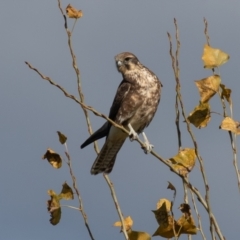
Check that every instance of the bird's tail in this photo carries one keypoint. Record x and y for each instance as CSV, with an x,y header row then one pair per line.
x,y
106,158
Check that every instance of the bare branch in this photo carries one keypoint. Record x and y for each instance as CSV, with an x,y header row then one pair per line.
x,y
198,216
81,209
206,31
77,71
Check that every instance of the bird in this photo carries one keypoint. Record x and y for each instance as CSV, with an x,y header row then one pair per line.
x,y
134,106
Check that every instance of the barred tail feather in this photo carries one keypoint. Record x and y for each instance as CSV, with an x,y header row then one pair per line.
x,y
106,158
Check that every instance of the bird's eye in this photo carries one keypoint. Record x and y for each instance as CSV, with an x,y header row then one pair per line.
x,y
127,59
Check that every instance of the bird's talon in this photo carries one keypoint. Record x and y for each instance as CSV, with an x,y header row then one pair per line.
x,y
131,137
147,148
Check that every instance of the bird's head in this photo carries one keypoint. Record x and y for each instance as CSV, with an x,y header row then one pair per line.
x,y
126,61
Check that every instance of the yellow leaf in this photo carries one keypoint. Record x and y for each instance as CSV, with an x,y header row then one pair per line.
x,y
73,12
135,235
230,125
53,158
226,93
186,221
207,87
187,225
200,116
166,232
54,207
163,211
213,57
167,204
127,221
184,161
132,235
62,137
184,225
67,192
166,229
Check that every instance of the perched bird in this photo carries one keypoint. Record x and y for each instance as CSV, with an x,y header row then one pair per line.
x,y
133,107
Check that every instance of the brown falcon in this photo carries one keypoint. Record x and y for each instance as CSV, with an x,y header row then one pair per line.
x,y
134,106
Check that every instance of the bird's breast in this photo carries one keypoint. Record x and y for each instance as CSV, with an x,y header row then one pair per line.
x,y
146,87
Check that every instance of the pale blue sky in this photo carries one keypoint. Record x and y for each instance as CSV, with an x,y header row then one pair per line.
x,y
32,111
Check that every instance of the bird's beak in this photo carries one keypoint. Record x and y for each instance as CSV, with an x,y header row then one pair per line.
x,y
119,63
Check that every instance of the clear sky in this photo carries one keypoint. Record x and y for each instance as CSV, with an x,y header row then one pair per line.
x,y
32,111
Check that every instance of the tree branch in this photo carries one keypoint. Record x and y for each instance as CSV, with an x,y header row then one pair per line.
x,y
166,162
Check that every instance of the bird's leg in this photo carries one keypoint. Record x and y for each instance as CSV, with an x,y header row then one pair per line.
x,y
132,134
148,146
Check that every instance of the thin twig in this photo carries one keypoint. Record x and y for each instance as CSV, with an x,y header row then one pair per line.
x,y
234,150
70,207
81,209
175,65
206,31
77,71
178,86
111,187
198,216
74,25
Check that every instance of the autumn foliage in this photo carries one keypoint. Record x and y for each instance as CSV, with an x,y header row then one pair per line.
x,y
181,163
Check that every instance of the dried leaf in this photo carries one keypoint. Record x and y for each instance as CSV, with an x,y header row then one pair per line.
x,y
168,226
184,161
135,235
226,93
62,137
165,232
186,221
230,125
127,221
132,235
163,211
170,186
167,204
213,57
187,225
185,208
73,12
200,116
53,158
207,87
54,207
165,221
67,192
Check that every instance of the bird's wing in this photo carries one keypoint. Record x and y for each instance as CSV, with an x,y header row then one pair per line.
x,y
126,102
122,91
100,133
